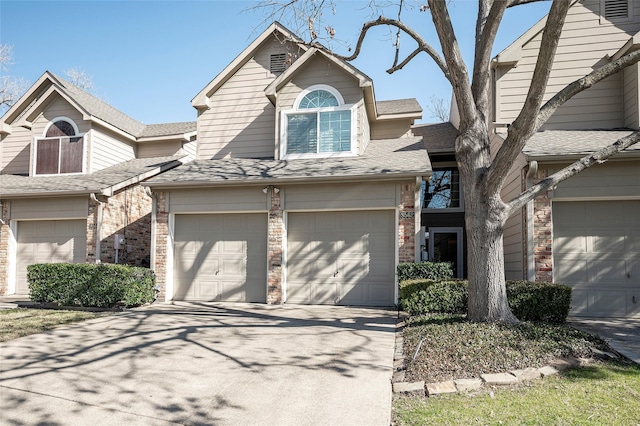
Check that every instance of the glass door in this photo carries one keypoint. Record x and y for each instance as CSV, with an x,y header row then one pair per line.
x,y
445,245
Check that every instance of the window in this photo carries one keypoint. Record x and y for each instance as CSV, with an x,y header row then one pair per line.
x,y
443,190
61,150
320,125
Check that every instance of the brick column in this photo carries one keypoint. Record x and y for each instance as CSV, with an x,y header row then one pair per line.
x,y
542,239
161,243
274,255
5,234
92,231
407,224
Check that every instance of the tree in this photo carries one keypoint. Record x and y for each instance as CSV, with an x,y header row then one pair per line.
x,y
11,88
438,109
482,175
79,78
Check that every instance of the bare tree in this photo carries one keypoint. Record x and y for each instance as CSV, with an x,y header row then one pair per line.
x,y
11,88
438,108
79,77
483,175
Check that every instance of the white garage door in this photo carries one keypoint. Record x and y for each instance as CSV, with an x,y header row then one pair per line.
x,y
48,241
345,258
221,257
597,252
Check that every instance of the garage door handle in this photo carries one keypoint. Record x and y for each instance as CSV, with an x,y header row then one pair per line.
x,y
336,274
217,272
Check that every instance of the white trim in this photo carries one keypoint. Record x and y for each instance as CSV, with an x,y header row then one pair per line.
x,y
76,135
61,118
169,287
12,260
417,208
396,227
285,243
459,249
313,88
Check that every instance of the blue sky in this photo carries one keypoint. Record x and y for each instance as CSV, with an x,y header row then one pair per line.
x,y
150,58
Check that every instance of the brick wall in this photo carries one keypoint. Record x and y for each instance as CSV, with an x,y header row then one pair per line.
x,y
542,238
275,242
161,243
5,234
92,226
407,224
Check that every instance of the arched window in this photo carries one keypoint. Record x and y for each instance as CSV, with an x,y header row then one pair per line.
x,y
320,123
61,150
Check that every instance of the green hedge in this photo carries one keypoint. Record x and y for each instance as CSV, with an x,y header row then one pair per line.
x,y
425,271
90,285
529,301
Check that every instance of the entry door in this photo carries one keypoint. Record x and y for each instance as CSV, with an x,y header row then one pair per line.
x,y
446,245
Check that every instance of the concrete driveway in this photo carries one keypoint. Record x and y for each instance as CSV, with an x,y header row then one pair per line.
x,y
205,363
622,334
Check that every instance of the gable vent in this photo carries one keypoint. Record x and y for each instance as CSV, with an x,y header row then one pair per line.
x,y
616,9
278,63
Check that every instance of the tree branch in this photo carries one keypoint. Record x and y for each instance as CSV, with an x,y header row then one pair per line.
x,y
597,157
402,64
513,3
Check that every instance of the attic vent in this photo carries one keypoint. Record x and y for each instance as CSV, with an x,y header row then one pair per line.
x,y
616,9
278,63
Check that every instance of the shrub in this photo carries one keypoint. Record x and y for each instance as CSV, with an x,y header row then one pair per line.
x,y
419,297
81,284
425,271
531,301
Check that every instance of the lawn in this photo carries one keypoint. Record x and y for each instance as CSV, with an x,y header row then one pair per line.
x,y
439,348
20,322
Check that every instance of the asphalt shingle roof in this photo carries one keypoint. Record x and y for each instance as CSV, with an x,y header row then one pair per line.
x,y
574,142
402,157
438,138
94,182
398,106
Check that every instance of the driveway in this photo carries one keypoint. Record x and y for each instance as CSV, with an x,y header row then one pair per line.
x,y
205,363
622,334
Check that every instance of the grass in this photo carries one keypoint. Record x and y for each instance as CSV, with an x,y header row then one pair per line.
x,y
21,322
603,393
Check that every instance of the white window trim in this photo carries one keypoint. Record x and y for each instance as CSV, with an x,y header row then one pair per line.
x,y
342,107
459,209
43,137
628,18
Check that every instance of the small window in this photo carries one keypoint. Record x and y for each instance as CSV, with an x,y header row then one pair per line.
x,y
278,63
442,191
61,150
615,10
320,125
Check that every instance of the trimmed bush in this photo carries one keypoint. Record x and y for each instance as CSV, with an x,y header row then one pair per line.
x,y
90,285
425,271
529,301
429,296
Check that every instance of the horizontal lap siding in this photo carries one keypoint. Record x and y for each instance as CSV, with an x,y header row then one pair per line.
x,y
241,120
158,149
15,151
390,129
610,180
514,237
342,196
631,118
109,149
584,45
218,200
50,208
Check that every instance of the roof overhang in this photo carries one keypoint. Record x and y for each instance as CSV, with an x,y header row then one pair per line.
x,y
632,44
563,158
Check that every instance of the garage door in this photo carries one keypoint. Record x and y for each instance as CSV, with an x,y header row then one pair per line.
x,y
48,241
597,252
345,258
221,257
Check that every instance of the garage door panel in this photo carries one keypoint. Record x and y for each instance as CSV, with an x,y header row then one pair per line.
x,y
571,270
608,241
607,271
570,241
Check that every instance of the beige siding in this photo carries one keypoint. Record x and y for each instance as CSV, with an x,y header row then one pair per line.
x,y
59,107
514,235
190,148
247,199
631,94
364,129
342,196
241,120
50,208
583,45
158,149
109,149
15,151
614,179
390,129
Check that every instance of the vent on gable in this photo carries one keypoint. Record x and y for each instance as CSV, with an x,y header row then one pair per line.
x,y
616,9
278,63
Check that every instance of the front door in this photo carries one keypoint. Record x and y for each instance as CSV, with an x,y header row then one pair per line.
x,y
445,245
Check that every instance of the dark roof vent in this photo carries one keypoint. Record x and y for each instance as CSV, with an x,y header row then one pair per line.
x,y
278,63
615,9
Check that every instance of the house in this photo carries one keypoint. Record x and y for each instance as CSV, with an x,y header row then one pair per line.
x,y
304,189
70,173
586,232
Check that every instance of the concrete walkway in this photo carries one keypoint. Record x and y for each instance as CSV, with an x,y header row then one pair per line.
x,y
205,363
622,334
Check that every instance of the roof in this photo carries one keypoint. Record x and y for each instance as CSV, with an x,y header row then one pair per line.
x,y
574,142
389,158
167,129
398,106
105,181
438,138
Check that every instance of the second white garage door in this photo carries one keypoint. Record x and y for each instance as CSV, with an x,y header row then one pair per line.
x,y
345,258
596,251
48,241
221,257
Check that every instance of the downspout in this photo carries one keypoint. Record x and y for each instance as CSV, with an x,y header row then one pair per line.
x,y
531,266
100,204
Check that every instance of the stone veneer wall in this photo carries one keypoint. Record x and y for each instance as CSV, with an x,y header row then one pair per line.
x,y
161,243
275,248
542,237
5,234
407,224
